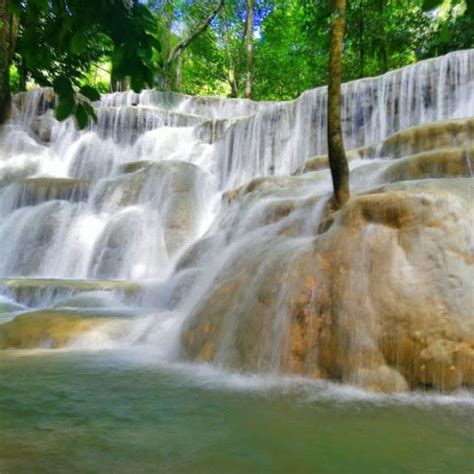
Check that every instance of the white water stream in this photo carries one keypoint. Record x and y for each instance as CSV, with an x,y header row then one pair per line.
x,y
139,196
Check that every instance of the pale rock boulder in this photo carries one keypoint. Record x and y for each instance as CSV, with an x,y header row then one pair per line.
x,y
381,297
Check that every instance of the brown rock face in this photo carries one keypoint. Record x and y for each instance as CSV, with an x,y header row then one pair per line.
x,y
383,298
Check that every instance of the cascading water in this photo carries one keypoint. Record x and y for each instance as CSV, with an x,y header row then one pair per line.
x,y
139,210
282,136
103,203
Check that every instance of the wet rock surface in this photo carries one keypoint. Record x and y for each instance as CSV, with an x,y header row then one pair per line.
x,y
45,329
381,299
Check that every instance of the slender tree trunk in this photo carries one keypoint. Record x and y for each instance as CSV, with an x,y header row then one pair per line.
x,y
361,39
234,90
337,154
249,47
383,46
384,59
5,60
118,85
166,70
178,73
24,76
169,15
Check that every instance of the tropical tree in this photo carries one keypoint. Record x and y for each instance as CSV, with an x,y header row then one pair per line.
x,y
187,40
70,30
193,19
8,31
337,155
451,30
249,47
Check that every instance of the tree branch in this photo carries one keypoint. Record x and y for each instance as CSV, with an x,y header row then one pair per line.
x,y
183,44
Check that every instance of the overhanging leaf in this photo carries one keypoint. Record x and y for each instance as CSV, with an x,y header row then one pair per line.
x,y
62,86
65,107
90,92
137,83
90,111
81,116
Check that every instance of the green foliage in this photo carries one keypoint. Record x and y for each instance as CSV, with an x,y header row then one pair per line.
x,y
292,52
453,32
59,40
432,4
292,40
70,104
89,92
203,66
14,79
72,44
65,107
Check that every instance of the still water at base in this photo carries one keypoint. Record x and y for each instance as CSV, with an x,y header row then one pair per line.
x,y
108,411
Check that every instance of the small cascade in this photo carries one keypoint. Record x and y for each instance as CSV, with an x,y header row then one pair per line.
x,y
198,225
119,200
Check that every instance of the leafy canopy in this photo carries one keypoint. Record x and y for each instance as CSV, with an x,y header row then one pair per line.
x,y
59,39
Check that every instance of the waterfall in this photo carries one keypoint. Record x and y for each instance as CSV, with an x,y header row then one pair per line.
x,y
281,136
169,199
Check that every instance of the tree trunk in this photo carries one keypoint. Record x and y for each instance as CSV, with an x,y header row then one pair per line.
x,y
249,47
337,154
383,47
166,79
361,39
23,71
169,16
178,77
5,59
234,90
118,85
384,59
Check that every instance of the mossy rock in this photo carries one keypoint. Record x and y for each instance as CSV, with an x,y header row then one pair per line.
x,y
37,190
443,163
46,329
28,290
431,137
134,166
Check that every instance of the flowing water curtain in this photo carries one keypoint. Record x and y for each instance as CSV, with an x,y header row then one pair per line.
x,y
284,135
